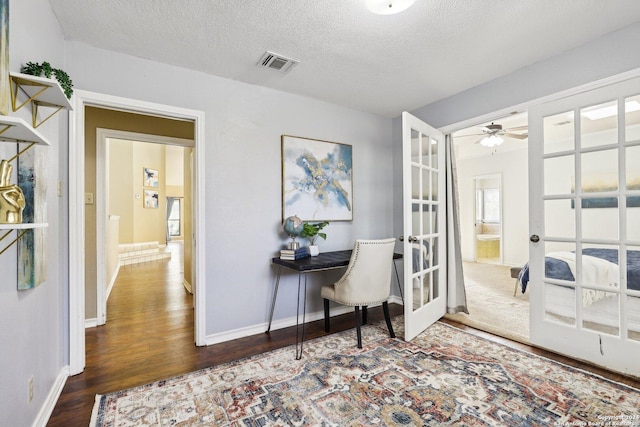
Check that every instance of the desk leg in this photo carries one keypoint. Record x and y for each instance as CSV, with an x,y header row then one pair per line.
x,y
398,279
300,336
273,300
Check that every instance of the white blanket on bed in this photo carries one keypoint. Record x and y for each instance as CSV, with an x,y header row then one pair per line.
x,y
595,271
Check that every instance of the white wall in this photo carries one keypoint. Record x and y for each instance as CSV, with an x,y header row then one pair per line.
x,y
512,165
243,185
33,323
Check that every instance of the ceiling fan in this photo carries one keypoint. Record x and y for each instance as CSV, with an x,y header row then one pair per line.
x,y
492,135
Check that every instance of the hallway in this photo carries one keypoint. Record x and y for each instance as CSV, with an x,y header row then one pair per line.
x,y
148,336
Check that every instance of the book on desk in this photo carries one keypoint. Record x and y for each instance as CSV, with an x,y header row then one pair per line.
x,y
294,254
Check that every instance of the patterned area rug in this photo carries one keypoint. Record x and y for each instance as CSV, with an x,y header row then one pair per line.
x,y
444,377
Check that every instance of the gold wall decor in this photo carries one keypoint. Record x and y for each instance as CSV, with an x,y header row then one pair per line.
x,y
12,200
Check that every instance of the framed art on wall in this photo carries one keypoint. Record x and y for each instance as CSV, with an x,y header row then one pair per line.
x,y
317,181
150,199
151,178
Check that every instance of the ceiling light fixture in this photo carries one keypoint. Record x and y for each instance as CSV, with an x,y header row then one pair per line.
x,y
388,7
491,141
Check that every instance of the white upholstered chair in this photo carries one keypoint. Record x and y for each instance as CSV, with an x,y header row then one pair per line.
x,y
367,281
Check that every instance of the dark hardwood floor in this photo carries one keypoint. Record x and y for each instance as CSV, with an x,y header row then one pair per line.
x,y
149,336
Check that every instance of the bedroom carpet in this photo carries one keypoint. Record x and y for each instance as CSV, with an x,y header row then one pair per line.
x,y
491,304
444,377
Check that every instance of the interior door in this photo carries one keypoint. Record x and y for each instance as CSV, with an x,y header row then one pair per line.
x,y
584,153
424,224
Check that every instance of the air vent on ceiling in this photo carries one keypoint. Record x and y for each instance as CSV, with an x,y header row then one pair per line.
x,y
277,62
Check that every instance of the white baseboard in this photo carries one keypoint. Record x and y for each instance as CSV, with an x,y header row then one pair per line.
x,y
281,323
90,323
112,281
187,286
52,398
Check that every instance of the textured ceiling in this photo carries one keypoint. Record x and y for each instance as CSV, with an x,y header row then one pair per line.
x,y
348,56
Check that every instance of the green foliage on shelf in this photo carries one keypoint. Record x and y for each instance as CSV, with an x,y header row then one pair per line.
x,y
46,70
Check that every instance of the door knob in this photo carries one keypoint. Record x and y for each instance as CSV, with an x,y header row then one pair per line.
x,y
534,238
413,239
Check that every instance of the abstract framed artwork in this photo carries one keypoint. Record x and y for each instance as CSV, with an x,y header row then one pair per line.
x,y
151,199
5,84
151,178
317,179
32,262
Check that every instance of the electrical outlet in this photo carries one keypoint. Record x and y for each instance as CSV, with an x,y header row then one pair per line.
x,y
31,388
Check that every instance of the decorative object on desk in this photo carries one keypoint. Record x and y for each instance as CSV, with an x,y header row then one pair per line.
x,y
5,86
150,177
293,226
317,179
12,200
294,254
312,232
46,70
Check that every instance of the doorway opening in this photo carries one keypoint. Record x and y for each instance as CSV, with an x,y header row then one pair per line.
x,y
83,129
494,221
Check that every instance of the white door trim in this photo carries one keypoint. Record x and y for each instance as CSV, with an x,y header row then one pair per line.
x,y
102,203
76,212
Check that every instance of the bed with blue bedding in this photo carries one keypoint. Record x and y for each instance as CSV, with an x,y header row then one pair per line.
x,y
603,262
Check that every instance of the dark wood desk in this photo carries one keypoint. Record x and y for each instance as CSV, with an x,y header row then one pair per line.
x,y
323,262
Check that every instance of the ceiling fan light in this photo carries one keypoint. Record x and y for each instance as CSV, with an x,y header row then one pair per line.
x,y
388,7
491,141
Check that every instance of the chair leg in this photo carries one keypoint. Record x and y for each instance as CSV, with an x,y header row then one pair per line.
x,y
327,327
387,318
364,314
358,327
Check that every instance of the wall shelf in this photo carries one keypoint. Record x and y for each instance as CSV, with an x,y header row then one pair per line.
x,y
15,129
40,92
23,227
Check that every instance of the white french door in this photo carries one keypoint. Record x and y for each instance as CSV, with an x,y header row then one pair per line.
x,y
584,171
424,224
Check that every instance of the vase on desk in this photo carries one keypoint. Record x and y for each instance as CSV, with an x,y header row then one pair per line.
x,y
314,250
12,200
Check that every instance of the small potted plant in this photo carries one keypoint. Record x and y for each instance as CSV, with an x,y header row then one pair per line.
x,y
312,232
46,70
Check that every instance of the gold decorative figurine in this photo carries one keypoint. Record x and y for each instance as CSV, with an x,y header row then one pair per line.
x,y
11,197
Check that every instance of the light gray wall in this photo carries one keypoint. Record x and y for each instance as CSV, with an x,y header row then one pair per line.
x,y
243,178
33,323
605,57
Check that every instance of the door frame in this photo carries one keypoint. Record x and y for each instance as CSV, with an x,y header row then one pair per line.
x,y
102,202
81,100
497,175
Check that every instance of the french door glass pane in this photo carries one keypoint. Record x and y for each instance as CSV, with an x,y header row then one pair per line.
x,y
559,175
600,171
600,311
415,146
600,218
599,124
632,118
559,133
632,166
633,268
559,304
559,220
633,224
556,256
633,308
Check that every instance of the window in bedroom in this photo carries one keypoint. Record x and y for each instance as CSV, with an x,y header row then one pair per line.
x,y
488,205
